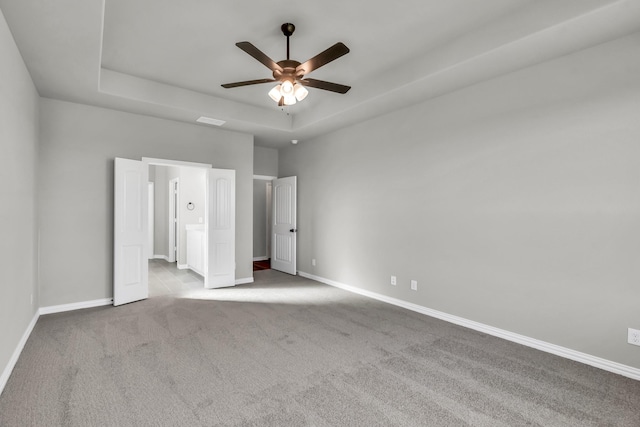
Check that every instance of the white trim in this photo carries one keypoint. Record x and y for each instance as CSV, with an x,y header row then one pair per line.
x,y
182,266
75,306
174,219
16,353
165,162
164,257
260,258
567,353
244,281
151,215
264,177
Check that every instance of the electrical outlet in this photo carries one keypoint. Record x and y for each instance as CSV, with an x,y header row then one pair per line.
x,y
634,336
414,285
393,280
313,262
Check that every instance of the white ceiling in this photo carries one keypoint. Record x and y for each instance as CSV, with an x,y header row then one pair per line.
x,y
168,58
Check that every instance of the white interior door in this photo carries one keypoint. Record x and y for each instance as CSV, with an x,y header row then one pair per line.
x,y
283,243
221,233
130,259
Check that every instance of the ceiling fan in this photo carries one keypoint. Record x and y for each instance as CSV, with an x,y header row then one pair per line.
x,y
290,74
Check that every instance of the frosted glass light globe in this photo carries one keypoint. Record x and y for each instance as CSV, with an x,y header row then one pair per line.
x,y
287,88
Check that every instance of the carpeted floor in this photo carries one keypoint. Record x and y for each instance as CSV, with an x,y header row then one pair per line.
x,y
286,351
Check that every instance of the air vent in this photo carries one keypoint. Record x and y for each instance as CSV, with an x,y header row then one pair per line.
x,y
210,121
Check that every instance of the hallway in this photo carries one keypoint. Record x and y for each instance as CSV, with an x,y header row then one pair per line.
x,y
166,279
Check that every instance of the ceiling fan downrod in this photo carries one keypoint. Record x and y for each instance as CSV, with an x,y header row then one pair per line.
x,y
287,30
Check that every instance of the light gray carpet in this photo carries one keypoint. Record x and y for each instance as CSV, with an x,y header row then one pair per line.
x,y
286,351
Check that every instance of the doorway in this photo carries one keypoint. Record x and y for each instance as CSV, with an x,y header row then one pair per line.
x,y
216,226
262,222
174,268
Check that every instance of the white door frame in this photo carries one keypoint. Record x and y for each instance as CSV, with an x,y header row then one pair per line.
x,y
151,220
174,219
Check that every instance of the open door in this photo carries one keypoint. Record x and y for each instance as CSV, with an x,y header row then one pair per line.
x,y
130,258
283,226
221,233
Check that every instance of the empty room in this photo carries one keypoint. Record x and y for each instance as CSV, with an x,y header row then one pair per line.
x,y
413,213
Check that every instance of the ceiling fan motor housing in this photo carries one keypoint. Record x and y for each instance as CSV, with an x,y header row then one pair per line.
x,y
288,29
288,70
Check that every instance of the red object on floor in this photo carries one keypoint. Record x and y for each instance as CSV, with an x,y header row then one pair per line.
x,y
262,265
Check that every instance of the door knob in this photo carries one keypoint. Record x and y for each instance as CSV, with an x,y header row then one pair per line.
x,y
293,230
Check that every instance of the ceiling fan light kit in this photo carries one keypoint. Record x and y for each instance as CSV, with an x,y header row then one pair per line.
x,y
288,93
290,74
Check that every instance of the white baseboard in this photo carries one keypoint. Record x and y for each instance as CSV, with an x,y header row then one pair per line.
x,y
260,258
244,281
164,257
567,353
75,306
16,353
182,266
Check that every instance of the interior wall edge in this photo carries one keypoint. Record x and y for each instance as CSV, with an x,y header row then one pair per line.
x,y
6,373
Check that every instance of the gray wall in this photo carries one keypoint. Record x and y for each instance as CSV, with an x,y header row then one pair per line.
x,y
78,145
265,161
514,203
18,151
157,174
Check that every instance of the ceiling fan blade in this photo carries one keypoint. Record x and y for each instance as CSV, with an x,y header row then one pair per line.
x,y
259,55
321,84
323,58
247,83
